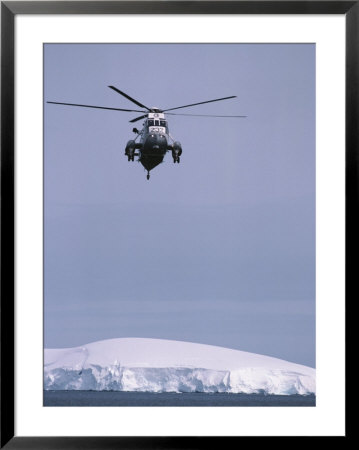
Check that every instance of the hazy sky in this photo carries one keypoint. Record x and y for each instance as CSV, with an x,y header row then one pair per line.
x,y
219,249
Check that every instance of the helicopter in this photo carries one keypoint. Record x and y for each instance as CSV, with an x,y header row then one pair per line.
x,y
154,140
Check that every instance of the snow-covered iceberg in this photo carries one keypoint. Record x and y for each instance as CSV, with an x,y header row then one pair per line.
x,y
157,365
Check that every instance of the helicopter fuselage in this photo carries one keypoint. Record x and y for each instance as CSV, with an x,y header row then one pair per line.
x,y
153,142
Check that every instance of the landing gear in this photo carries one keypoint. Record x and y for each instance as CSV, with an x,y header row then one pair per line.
x,y
148,175
176,152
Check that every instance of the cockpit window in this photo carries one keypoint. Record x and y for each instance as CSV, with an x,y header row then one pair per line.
x,y
156,123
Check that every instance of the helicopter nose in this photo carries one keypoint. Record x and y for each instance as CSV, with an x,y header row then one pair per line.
x,y
157,142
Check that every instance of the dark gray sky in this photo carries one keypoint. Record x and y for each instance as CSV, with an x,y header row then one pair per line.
x,y
219,249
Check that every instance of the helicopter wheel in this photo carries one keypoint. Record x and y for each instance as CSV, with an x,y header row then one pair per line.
x,y
178,159
128,158
148,176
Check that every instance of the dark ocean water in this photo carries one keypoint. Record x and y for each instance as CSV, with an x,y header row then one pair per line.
x,y
115,398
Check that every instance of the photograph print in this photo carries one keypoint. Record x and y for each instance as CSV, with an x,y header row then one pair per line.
x,y
179,225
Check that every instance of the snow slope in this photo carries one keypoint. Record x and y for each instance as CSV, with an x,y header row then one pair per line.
x,y
157,365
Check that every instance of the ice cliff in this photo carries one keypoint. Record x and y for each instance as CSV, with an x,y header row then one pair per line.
x,y
156,365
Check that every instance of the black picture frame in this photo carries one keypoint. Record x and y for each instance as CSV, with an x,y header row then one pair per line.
x,y
9,9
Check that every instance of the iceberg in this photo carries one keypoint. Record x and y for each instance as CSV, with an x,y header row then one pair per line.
x,y
158,365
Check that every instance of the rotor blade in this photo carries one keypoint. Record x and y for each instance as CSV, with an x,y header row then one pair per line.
x,y
200,115
200,103
138,118
97,107
129,98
